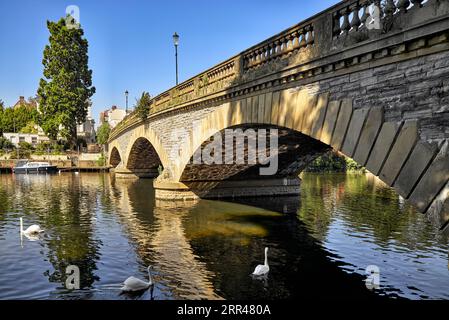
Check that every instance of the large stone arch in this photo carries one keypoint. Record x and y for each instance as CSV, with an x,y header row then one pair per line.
x,y
393,151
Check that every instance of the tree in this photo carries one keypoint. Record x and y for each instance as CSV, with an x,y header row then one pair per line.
x,y
29,128
103,133
25,145
2,108
143,106
66,88
5,144
16,119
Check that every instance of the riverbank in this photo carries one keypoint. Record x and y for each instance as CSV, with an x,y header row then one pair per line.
x,y
334,162
66,163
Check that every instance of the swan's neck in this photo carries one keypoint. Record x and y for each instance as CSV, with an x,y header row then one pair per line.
x,y
266,258
21,225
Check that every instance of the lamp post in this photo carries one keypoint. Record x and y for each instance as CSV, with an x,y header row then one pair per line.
x,y
176,43
126,96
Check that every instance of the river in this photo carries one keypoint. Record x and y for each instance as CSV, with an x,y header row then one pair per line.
x,y
320,243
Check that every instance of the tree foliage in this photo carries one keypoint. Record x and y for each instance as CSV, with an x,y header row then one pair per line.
x,y
29,128
143,105
15,119
103,133
5,144
66,88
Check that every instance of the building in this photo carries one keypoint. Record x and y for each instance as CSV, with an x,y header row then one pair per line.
x,y
113,116
32,102
86,130
31,138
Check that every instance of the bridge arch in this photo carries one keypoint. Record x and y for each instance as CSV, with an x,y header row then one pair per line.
x,y
393,151
141,152
115,158
143,158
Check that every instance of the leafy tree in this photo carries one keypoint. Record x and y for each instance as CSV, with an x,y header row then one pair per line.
x,y
14,119
1,116
66,88
5,144
25,145
143,105
43,147
103,133
29,128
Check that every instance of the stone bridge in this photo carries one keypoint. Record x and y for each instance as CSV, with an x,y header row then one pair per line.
x,y
369,79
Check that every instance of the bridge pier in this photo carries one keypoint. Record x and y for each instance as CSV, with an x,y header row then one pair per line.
x,y
227,189
135,173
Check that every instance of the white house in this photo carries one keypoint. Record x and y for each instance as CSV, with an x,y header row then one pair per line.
x,y
31,138
113,116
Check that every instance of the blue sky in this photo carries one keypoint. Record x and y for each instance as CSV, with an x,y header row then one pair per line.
x,y
130,42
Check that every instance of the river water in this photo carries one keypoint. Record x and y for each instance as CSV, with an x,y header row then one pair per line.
x,y
320,243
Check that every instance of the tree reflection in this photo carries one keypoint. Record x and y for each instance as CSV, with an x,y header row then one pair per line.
x,y
64,206
364,203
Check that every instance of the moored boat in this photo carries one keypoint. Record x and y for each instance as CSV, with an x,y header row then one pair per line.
x,y
24,166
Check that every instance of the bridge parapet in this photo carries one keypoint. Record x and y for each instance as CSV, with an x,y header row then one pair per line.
x,y
343,27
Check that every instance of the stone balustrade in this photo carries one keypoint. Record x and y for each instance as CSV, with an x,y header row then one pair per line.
x,y
329,33
287,42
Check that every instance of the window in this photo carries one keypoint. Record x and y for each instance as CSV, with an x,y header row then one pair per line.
x,y
34,140
21,139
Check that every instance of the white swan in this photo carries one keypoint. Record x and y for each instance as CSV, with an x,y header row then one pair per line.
x,y
31,230
262,269
133,284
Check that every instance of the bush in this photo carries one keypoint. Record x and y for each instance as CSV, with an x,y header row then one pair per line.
x,y
43,147
103,133
5,144
101,162
333,162
351,165
143,106
25,145
20,154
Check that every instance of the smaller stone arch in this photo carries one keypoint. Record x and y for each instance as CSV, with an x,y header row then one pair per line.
x,y
143,159
115,158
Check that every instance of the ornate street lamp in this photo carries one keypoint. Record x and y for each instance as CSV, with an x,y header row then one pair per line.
x,y
176,43
126,95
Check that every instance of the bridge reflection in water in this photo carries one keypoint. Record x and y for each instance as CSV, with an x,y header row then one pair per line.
x,y
207,249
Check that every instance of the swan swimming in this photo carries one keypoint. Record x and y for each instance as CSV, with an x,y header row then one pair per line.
x,y
262,269
133,284
31,230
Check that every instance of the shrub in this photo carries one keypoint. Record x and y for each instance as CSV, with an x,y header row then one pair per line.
x,y
5,144
25,145
101,162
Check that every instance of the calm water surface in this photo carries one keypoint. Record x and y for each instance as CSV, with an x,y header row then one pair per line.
x,y
320,243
